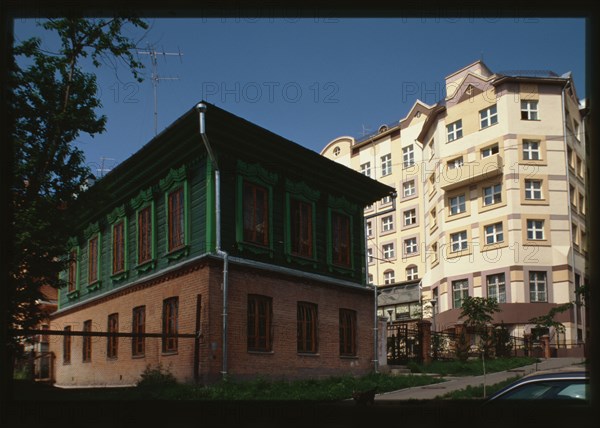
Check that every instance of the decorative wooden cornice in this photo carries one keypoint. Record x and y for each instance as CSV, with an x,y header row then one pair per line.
x,y
174,177
116,214
301,188
256,171
142,198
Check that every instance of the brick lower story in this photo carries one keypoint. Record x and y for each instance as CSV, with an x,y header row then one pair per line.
x,y
200,286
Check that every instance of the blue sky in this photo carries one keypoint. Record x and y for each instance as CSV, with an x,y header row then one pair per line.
x,y
312,80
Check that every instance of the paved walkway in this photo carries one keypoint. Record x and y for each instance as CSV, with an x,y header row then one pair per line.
x,y
455,383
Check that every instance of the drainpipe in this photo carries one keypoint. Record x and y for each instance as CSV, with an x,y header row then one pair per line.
x,y
572,249
375,317
201,108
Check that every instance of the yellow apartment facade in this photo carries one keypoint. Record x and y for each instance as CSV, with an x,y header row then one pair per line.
x,y
499,202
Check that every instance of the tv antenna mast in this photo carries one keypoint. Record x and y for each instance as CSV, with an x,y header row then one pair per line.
x,y
153,53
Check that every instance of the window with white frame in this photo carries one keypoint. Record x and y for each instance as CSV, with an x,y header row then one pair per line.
x,y
535,229
434,252
492,194
389,251
412,272
387,223
408,156
454,130
457,204
369,228
489,151
458,241
493,233
410,217
529,110
533,189
410,246
531,150
386,200
370,255
386,164
496,287
370,279
537,286
365,169
455,163
389,277
460,291
488,116
409,188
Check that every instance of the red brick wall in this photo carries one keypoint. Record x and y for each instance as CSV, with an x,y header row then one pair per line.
x,y
206,279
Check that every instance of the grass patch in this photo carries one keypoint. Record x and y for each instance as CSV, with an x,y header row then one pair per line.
x,y
476,392
471,367
330,389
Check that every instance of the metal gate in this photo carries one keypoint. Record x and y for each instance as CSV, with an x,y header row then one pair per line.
x,y
403,343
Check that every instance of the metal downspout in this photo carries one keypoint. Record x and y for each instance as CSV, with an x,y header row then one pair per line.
x,y
201,108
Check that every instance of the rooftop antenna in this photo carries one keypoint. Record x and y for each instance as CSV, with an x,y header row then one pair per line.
x,y
155,77
102,169
365,130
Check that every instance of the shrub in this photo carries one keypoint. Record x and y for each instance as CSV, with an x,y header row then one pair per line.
x,y
156,377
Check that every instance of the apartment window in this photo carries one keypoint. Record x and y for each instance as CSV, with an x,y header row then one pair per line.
x,y
579,167
347,332
531,150
341,239
583,241
389,277
496,287
455,163
573,195
581,203
489,151
387,223
144,235
112,342
260,315
570,158
388,251
537,287
336,151
575,234
256,214
386,200
176,220
454,130
409,188
365,169
386,165
488,117
412,272
72,271
410,217
138,328
67,345
170,324
535,229
410,246
370,279
301,228
93,260
118,247
87,342
457,204
493,233
460,291
369,228
529,110
307,327
370,255
458,241
533,189
408,156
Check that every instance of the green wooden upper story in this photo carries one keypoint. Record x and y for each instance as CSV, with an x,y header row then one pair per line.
x,y
281,205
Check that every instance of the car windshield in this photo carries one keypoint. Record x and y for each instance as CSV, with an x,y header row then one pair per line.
x,y
557,389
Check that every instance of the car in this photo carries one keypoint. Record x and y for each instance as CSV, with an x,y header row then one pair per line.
x,y
562,385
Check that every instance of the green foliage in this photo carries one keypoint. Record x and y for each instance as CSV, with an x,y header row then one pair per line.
x,y
153,377
473,367
479,314
462,346
547,320
52,101
476,392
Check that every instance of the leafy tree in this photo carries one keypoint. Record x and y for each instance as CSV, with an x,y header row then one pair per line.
x,y
52,101
546,321
479,314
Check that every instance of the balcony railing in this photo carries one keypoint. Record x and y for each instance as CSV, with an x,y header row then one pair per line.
x,y
471,172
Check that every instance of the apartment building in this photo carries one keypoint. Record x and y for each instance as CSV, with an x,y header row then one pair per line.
x,y
500,194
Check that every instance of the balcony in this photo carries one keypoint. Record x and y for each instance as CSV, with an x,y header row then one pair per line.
x,y
471,172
